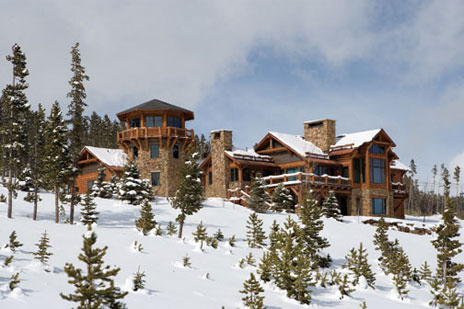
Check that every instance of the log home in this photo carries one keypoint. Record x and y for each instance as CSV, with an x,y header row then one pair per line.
x,y
361,168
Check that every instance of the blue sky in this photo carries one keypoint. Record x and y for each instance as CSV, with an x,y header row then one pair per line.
x,y
255,66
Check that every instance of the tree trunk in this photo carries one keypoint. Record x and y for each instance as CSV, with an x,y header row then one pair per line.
x,y
181,227
71,204
10,191
57,210
36,198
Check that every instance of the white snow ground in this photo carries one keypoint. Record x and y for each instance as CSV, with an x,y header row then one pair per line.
x,y
169,285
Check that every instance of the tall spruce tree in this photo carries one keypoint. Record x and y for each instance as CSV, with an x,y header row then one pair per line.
x,y
189,194
252,290
147,221
258,196
95,288
312,225
99,188
15,110
37,162
282,199
255,233
382,244
133,189
58,160
76,120
42,254
330,207
89,214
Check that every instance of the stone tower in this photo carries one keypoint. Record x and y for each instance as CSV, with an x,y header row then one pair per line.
x,y
156,138
221,141
321,133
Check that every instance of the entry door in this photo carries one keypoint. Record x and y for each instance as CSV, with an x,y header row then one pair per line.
x,y
343,206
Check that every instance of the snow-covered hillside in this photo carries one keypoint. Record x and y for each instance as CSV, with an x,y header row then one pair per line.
x,y
168,284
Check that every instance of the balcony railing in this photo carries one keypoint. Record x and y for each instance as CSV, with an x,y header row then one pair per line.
x,y
399,188
136,133
304,178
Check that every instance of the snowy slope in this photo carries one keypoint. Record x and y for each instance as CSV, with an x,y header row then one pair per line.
x,y
171,286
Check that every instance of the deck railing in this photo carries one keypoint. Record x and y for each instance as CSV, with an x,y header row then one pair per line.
x,y
399,188
135,133
300,177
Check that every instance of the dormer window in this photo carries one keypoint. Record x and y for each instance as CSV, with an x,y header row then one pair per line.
x,y
377,149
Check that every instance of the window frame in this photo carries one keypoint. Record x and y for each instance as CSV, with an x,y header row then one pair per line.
x,y
159,178
174,122
234,174
152,152
383,205
377,149
377,170
153,123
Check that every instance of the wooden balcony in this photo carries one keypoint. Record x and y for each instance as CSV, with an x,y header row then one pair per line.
x,y
399,189
142,133
324,181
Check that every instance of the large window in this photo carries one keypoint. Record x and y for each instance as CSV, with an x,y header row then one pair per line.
x,y
135,153
173,122
135,123
234,174
359,170
378,206
154,151
153,121
155,179
377,170
175,152
377,149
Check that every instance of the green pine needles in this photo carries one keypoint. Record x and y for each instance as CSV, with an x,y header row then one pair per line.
x,y
356,262
146,223
255,233
252,290
42,254
89,214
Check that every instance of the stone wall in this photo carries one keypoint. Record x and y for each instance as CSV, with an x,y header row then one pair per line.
x,y
321,133
366,196
221,141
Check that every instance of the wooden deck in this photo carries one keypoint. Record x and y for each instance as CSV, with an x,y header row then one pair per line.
x,y
138,133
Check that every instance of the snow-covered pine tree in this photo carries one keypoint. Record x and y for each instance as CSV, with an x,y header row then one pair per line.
x,y
147,221
138,281
258,196
15,110
114,184
96,287
330,207
14,242
43,245
171,228
77,121
425,273
255,233
200,235
282,199
189,194
252,290
303,280
312,225
58,161
356,262
98,189
133,189
89,214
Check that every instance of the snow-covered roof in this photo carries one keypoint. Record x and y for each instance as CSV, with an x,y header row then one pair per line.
x,y
399,166
356,139
240,153
298,144
108,156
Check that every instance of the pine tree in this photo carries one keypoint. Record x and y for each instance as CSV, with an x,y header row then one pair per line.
x,y
219,235
58,160
189,195
14,243
358,265
15,111
252,290
284,257
186,261
250,260
382,244
274,234
330,207
232,241
425,273
96,287
258,196
14,282
133,189
200,235
146,222
77,121
99,188
401,269
42,253
89,214
312,225
8,260
255,233
171,228
36,165
138,283
344,287
282,199
302,280
265,267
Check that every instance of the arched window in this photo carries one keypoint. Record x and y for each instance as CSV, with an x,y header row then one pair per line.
x,y
175,152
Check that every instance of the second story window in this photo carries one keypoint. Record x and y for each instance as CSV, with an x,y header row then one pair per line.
x,y
377,149
153,121
174,122
234,174
377,170
154,151
175,152
135,123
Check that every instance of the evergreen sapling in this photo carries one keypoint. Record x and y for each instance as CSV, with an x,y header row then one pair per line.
x,y
255,232
147,221
42,254
252,290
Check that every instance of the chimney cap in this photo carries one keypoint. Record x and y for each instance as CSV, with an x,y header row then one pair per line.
x,y
220,130
318,120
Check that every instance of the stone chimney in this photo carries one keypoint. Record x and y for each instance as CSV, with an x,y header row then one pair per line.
x,y
221,140
321,133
